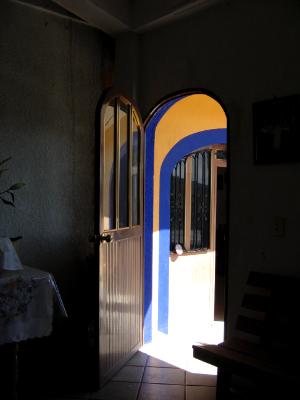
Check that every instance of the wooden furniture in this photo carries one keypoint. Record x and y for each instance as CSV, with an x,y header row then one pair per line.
x,y
262,357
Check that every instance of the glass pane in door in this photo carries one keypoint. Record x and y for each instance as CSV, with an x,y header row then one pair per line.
x,y
124,158
109,194
135,172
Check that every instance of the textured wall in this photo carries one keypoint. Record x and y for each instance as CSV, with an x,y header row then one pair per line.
x,y
50,79
243,51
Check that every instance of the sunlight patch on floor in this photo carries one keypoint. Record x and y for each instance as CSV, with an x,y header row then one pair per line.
x,y
177,350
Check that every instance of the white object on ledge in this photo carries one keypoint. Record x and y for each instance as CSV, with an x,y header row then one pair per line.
x,y
9,259
178,249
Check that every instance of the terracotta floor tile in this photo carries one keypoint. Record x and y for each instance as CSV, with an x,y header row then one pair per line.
x,y
139,359
200,379
161,392
117,391
164,375
200,393
129,373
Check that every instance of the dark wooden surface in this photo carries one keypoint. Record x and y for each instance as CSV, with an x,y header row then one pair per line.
x,y
264,348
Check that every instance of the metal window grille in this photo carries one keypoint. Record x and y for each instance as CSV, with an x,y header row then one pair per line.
x,y
177,205
221,154
200,201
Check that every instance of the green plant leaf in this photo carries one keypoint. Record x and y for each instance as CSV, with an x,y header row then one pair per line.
x,y
16,186
4,161
9,203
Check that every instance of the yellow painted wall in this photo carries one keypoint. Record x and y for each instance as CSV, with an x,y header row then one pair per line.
x,y
192,114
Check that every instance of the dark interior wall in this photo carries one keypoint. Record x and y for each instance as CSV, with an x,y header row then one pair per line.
x,y
50,84
50,79
243,51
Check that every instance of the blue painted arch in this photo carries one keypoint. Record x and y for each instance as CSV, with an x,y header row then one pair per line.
x,y
150,130
182,148
148,218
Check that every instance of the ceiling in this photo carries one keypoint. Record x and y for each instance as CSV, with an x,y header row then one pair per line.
x,y
119,16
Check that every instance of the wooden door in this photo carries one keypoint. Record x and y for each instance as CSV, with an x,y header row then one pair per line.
x,y
120,234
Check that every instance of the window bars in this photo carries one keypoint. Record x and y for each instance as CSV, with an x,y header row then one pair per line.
x,y
190,187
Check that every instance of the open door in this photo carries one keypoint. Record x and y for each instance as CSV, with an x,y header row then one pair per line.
x,y
120,235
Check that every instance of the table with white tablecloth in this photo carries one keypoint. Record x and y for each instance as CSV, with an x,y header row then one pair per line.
x,y
27,298
26,304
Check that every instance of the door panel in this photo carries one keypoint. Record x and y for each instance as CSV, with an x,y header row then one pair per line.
x,y
120,302
121,234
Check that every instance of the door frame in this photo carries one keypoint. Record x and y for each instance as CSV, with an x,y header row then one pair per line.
x,y
151,121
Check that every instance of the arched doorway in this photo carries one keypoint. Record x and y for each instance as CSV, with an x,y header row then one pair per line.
x,y
179,126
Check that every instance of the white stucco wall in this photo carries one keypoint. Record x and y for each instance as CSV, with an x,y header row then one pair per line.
x,y
243,51
191,296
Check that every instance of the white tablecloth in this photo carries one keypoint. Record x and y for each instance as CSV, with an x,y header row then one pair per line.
x,y
26,304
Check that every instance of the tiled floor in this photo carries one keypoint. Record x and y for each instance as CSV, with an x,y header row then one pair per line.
x,y
164,369
145,377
